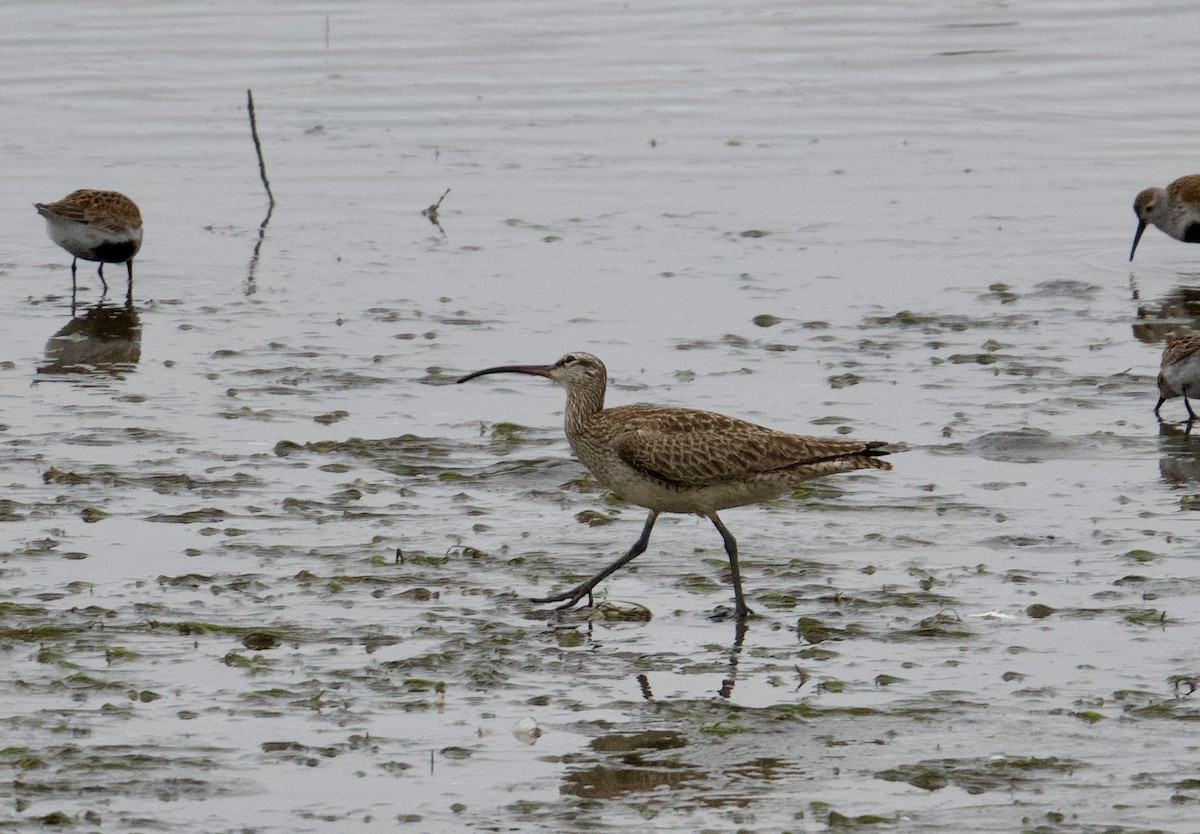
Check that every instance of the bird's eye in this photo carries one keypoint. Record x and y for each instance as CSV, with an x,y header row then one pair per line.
x,y
569,359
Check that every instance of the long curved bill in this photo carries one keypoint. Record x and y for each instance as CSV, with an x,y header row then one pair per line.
x,y
531,370
1136,237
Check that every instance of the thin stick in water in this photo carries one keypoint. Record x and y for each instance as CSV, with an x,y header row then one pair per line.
x,y
262,165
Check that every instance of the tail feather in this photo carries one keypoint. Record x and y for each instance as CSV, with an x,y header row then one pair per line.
x,y
866,456
874,450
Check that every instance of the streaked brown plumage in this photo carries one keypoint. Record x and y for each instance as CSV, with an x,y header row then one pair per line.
x,y
1180,372
103,226
680,460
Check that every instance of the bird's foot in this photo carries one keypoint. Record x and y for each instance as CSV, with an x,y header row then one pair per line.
x,y
569,599
721,613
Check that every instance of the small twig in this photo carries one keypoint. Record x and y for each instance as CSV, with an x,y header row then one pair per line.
x,y
262,165
432,212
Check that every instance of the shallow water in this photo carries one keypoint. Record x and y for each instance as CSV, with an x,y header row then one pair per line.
x,y
265,569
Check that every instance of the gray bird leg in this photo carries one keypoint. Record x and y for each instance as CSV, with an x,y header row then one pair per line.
x,y
740,608
573,596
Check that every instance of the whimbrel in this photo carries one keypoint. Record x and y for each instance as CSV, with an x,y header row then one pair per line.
x,y
103,226
680,460
1180,374
1174,209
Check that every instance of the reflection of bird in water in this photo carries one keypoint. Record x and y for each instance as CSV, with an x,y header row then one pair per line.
x,y
1180,374
105,339
1174,209
1179,463
102,226
1179,306
679,460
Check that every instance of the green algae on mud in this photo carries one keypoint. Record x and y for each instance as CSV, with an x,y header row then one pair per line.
x,y
400,454
414,456
165,483
1000,773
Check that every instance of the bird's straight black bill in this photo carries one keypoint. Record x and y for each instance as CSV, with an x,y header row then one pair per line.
x,y
1136,237
531,370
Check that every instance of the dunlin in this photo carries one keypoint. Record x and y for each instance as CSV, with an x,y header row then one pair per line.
x,y
679,460
1174,209
1180,373
102,226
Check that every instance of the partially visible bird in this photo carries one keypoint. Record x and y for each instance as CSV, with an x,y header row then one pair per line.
x,y
1180,373
680,460
1174,209
103,226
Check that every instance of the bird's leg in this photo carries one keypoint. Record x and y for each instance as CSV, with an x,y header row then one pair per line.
x,y
1191,414
740,608
1161,400
103,283
584,589
74,292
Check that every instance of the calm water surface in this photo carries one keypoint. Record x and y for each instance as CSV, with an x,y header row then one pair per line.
x,y
265,570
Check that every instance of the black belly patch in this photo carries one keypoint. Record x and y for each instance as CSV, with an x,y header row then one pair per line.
x,y
115,253
1192,233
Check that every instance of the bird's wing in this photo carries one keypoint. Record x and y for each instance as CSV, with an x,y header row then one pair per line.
x,y
103,209
1186,188
697,448
68,210
1180,346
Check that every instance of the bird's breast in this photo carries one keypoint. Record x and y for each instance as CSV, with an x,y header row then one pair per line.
x,y
93,243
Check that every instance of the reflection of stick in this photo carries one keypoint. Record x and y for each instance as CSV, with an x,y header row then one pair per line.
x,y
262,171
262,166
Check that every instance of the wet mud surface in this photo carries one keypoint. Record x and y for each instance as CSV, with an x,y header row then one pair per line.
x,y
265,568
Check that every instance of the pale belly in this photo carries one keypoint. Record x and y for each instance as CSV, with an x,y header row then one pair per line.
x,y
94,244
653,494
1184,374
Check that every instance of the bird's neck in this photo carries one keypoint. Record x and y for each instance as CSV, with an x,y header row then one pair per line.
x,y
581,405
